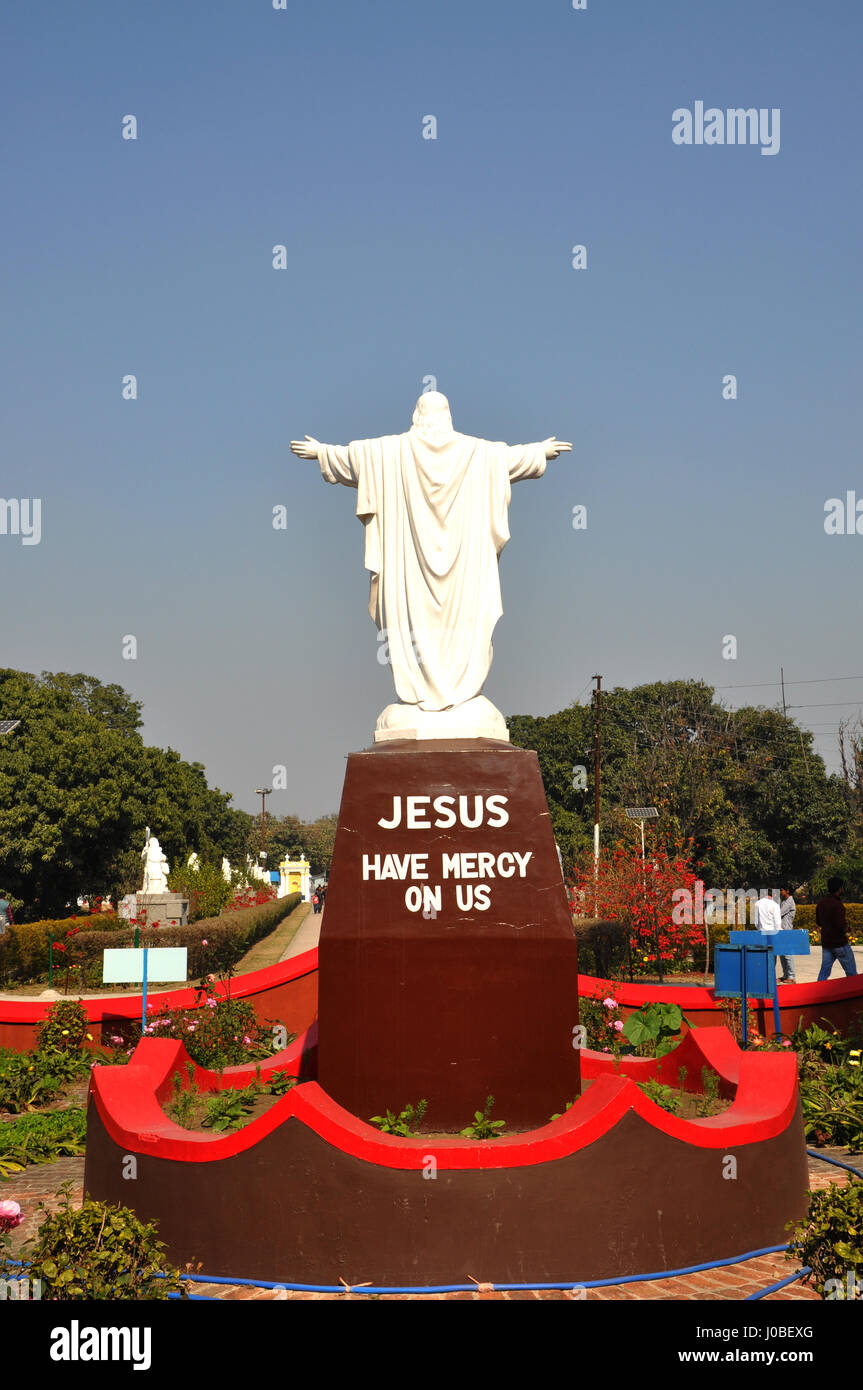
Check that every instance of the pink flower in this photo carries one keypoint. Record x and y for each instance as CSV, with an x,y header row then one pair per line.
x,y
619,1025
211,1003
10,1215
786,1042
609,1003
247,1039
205,943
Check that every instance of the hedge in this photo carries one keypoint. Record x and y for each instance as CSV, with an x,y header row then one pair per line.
x,y
804,920
603,947
24,957
24,947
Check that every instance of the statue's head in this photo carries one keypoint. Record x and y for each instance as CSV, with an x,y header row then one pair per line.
x,y
431,418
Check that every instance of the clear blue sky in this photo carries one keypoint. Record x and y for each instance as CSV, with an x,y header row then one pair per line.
x,y
409,257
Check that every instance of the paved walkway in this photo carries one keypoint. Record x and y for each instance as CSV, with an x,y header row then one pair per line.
x,y
306,939
273,948
806,967
732,1282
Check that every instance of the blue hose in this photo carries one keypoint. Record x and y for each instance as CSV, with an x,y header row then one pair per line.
x,y
372,1289
837,1162
471,1288
771,1288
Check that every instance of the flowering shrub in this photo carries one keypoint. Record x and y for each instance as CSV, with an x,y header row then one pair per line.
x,y
603,1025
252,896
64,1027
638,893
831,1084
217,1032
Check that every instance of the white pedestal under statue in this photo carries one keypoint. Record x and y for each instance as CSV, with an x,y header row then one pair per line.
x,y
156,903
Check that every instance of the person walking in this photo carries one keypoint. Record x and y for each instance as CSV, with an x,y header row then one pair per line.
x,y
316,902
787,909
831,920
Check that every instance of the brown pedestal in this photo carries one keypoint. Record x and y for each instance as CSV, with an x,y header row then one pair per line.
x,y
463,982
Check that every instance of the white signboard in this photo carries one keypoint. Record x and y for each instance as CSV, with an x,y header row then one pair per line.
x,y
126,966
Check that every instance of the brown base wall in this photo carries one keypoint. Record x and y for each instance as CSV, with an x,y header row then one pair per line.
x,y
295,1208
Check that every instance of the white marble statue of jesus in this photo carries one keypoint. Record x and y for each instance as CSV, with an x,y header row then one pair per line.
x,y
434,504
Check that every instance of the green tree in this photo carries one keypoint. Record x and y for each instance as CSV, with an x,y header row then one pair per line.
x,y
289,834
743,787
78,786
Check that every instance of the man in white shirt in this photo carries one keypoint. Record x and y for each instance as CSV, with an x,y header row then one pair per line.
x,y
767,915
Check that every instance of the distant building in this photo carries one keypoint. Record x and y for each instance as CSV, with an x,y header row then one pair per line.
x,y
294,878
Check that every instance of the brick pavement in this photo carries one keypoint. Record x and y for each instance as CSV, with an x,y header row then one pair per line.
x,y
731,1283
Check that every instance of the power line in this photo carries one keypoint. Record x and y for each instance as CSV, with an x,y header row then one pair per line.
x,y
817,680
825,704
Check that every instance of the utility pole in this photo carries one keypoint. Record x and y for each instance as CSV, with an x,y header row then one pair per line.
x,y
596,763
263,793
782,683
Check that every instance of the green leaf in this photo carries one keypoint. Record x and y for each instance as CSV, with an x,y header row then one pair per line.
x,y
636,1030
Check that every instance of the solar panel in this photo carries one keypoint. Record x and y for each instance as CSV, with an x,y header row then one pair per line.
x,y
7,725
641,812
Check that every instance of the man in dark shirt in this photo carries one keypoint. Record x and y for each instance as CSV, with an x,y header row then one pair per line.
x,y
830,917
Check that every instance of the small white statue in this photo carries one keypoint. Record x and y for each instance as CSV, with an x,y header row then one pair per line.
x,y
257,871
194,862
156,867
226,870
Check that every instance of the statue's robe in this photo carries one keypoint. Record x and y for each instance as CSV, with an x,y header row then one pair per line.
x,y
436,519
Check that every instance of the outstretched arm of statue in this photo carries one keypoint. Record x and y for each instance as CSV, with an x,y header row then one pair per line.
x,y
553,447
529,460
307,448
334,459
